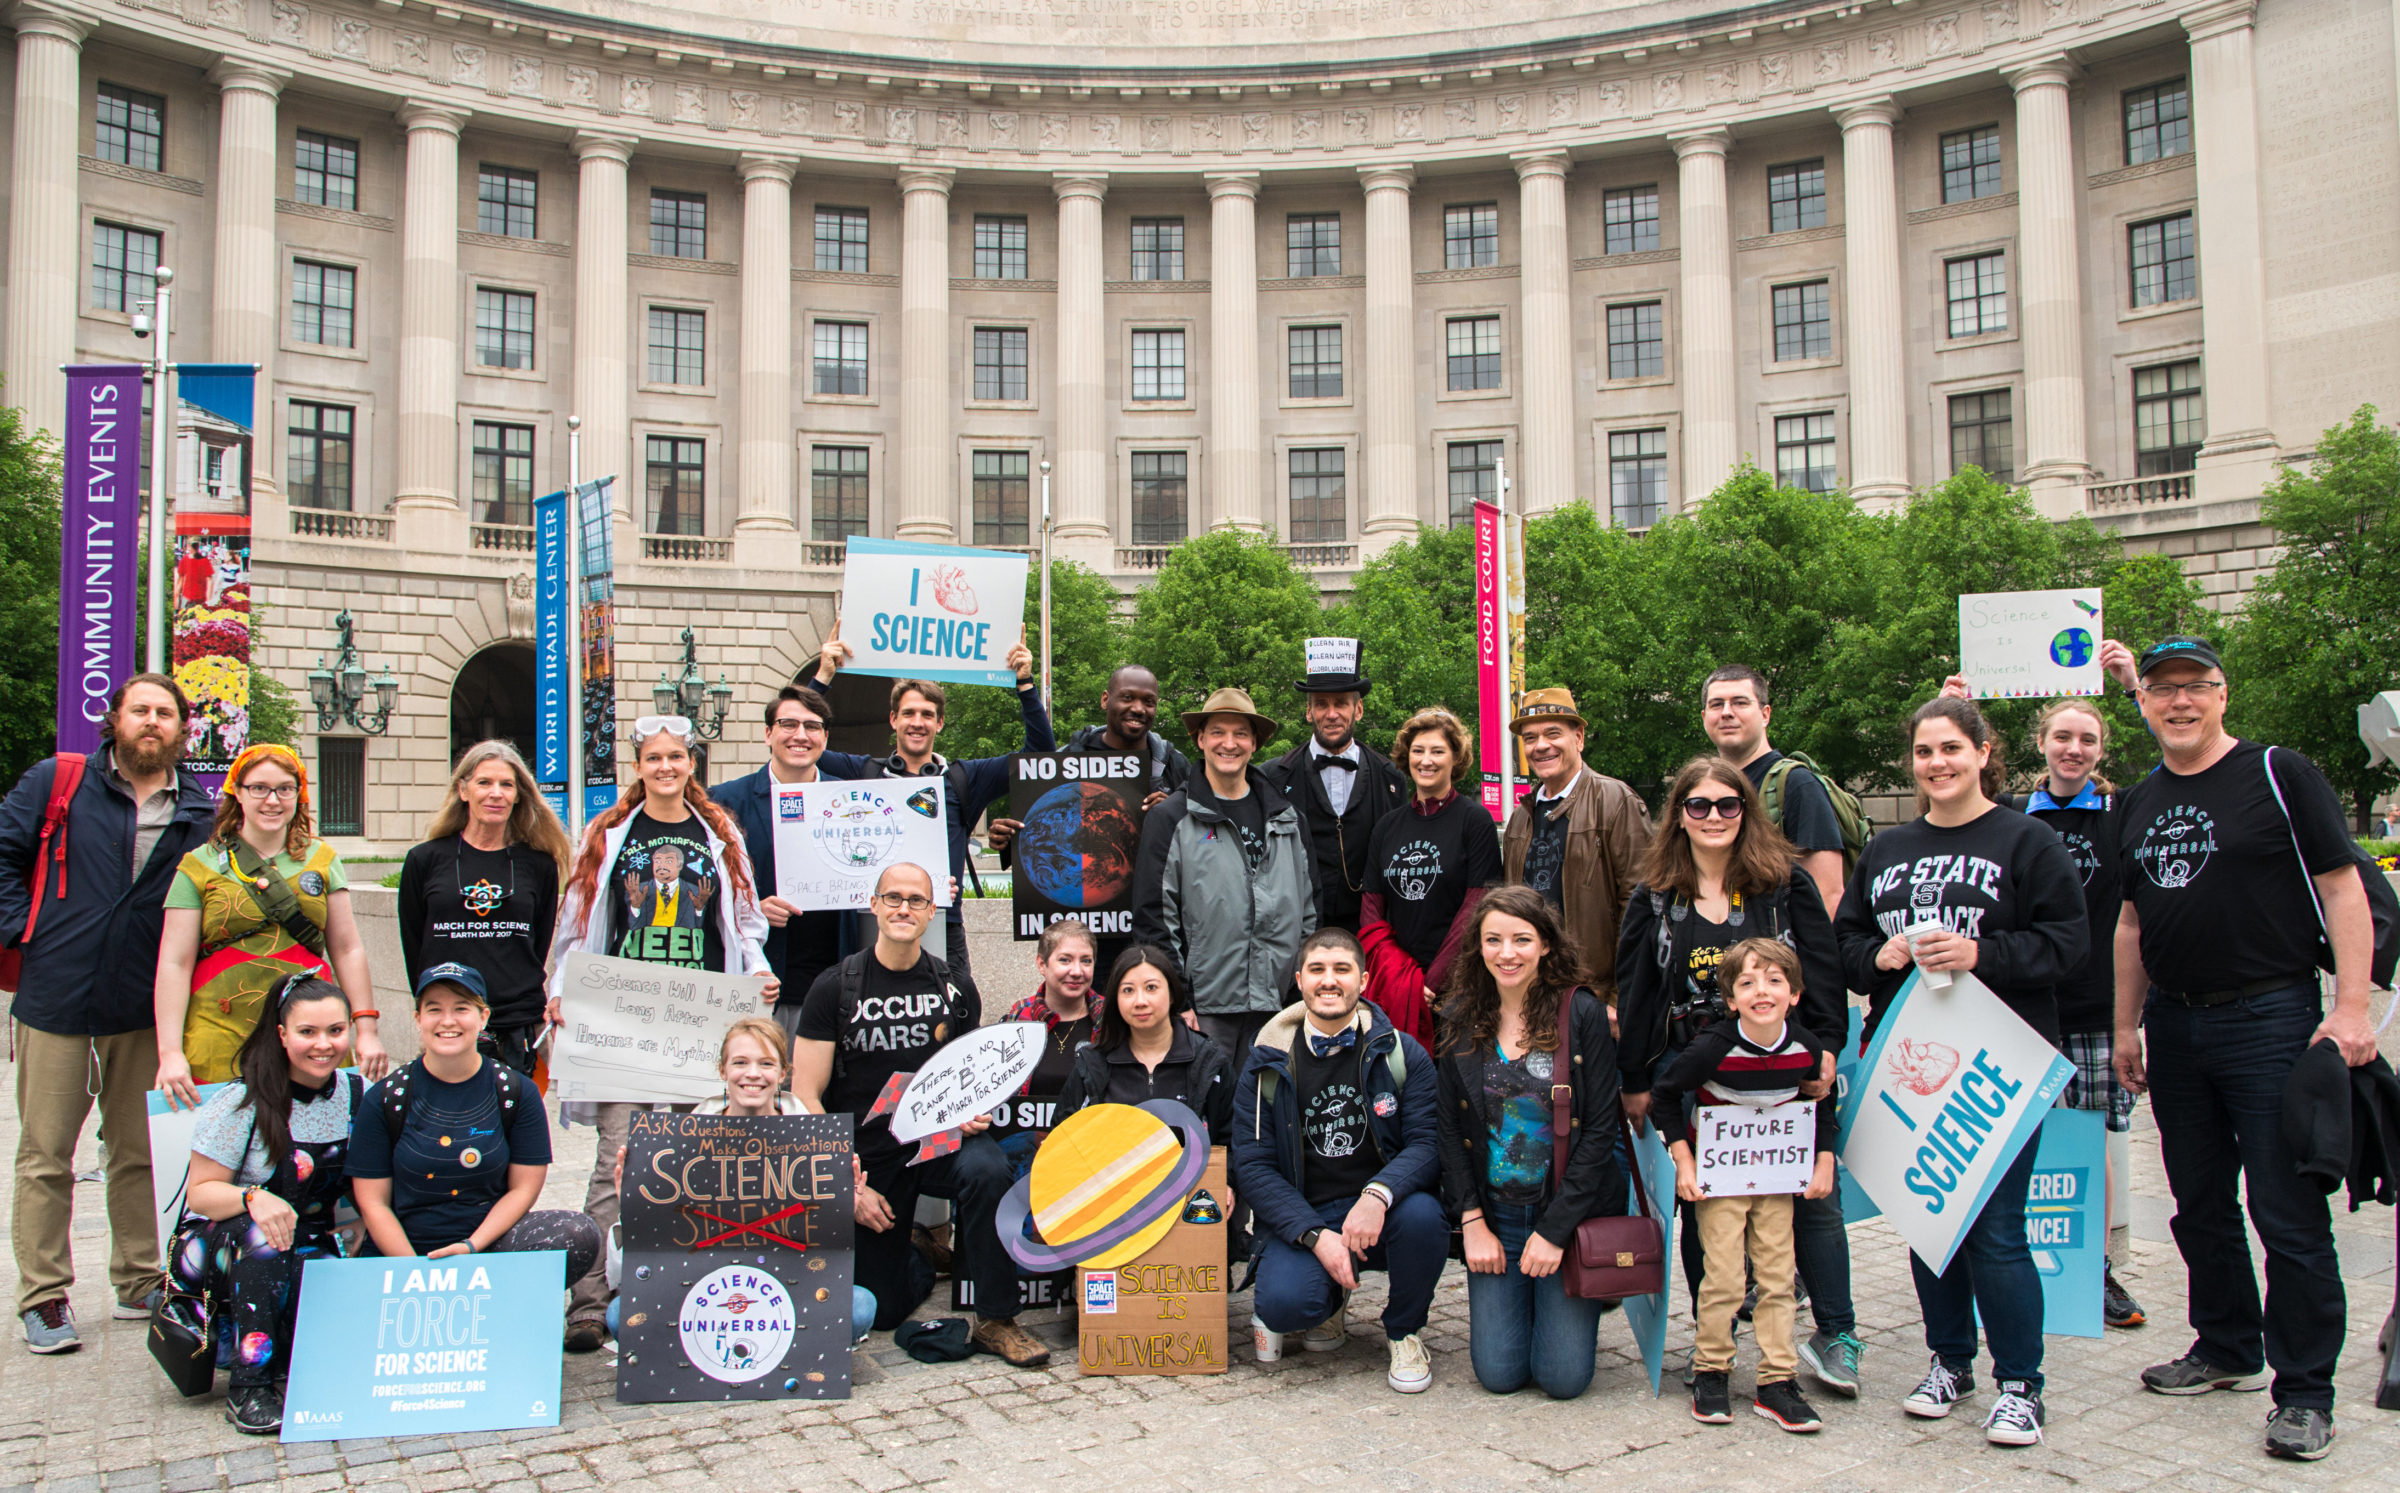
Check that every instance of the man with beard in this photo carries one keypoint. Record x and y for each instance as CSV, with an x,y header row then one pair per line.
x,y
1340,785
84,1017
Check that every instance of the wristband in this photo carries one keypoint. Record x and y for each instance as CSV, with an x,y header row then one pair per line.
x,y
363,1015
1378,1192
472,1247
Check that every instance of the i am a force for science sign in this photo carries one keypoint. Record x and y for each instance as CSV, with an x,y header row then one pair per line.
x,y
1953,1087
932,611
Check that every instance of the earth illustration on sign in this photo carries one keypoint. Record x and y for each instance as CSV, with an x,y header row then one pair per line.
x,y
1078,844
2071,649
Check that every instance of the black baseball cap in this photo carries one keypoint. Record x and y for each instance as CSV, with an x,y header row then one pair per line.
x,y
2180,648
466,978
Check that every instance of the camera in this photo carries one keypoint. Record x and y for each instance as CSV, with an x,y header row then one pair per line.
x,y
141,324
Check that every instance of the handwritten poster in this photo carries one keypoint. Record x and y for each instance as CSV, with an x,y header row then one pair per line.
x,y
833,840
1738,1151
639,1033
2015,645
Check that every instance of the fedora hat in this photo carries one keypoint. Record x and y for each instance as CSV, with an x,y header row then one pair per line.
x,y
1230,701
1547,705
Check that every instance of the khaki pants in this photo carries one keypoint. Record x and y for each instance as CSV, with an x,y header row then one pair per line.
x,y
1763,1227
57,1079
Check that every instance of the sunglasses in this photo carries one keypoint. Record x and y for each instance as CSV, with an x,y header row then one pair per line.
x,y
1728,807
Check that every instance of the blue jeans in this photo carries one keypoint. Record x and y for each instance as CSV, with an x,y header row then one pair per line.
x,y
2216,1089
1293,1293
1992,1273
1522,1330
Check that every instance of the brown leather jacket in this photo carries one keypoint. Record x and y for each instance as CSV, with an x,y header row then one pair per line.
x,y
1608,829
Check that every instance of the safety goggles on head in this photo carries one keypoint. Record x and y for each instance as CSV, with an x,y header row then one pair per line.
x,y
677,726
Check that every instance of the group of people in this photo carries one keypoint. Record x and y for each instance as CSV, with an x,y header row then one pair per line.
x,y
1418,1034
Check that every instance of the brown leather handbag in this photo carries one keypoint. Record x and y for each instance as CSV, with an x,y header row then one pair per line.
x,y
1608,1258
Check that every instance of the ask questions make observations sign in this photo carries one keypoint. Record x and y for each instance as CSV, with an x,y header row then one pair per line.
x,y
932,611
1081,814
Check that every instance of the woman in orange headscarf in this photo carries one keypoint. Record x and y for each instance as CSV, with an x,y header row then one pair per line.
x,y
261,900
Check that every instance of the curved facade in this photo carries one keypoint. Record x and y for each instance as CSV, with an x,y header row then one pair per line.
x,y
807,268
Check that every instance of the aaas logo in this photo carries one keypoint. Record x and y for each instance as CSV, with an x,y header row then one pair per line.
x,y
736,1324
2176,846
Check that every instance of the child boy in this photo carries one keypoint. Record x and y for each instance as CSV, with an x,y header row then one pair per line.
x,y
1759,1059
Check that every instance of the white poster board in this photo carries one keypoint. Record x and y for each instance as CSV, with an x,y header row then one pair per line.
x,y
1743,1152
969,1077
171,1158
832,840
2016,645
638,1033
932,611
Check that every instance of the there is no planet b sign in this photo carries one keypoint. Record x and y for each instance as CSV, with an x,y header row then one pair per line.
x,y
932,611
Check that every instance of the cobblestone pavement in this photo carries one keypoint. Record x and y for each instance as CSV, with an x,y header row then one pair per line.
x,y
105,1417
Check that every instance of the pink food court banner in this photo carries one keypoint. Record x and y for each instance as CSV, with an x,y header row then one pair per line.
x,y
1491,688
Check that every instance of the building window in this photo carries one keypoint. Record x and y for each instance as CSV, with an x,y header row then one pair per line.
x,y
324,302
1158,365
1983,435
1470,236
842,240
1002,497
1000,354
504,202
1315,357
1161,496
316,456
2168,421
1319,497
503,328
1796,196
1637,341
502,475
1803,322
678,346
1978,289
1474,477
999,248
342,785
1312,244
1474,352
840,356
837,492
1804,451
129,127
1971,164
677,478
1637,477
325,171
2158,122
1158,248
124,266
679,224
2164,266
1629,220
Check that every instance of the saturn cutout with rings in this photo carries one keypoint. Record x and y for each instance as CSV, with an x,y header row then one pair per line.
x,y
1105,1186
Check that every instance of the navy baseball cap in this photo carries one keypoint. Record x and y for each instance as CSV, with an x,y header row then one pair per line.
x,y
2184,648
460,975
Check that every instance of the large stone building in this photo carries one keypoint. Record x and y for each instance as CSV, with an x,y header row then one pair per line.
x,y
810,268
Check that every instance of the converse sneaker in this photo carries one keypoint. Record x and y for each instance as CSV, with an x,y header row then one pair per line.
x,y
1412,1366
2193,1375
1332,1332
2016,1418
1938,1391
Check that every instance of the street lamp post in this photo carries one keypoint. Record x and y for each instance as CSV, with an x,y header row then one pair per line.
x,y
340,693
162,435
688,691
1046,700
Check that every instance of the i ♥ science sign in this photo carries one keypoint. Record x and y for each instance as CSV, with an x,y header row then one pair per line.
x,y
932,611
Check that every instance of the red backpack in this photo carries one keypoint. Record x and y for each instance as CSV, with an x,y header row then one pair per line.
x,y
52,846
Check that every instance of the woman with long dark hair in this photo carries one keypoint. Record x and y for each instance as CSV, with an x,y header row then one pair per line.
x,y
1144,1050
1498,1066
267,1168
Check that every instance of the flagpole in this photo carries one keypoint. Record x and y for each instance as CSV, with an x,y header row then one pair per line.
x,y
575,630
162,449
1047,702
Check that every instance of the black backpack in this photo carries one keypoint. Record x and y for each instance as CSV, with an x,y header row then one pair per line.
x,y
2383,905
850,982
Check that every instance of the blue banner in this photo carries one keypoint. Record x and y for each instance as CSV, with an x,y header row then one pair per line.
x,y
1647,1315
550,648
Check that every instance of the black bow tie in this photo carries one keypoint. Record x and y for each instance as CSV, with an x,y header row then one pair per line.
x,y
1325,1047
1344,763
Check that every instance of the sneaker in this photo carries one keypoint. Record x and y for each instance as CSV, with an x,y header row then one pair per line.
x,y
937,1254
1781,1402
1331,1333
2299,1432
2193,1375
1266,1344
1412,1366
1749,1304
1003,1337
2117,1306
586,1336
138,1309
50,1328
1938,1391
2016,1418
1711,1404
1833,1358
255,1409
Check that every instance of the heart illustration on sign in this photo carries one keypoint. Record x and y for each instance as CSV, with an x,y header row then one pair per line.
x,y
952,591
1921,1067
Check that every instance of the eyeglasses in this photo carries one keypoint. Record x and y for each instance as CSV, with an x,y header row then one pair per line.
x,y
899,900
1728,807
262,792
2197,691
678,726
790,727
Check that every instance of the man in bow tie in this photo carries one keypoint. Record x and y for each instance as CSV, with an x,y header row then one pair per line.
x,y
1340,785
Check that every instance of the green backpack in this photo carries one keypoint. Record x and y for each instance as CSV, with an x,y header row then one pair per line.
x,y
1848,811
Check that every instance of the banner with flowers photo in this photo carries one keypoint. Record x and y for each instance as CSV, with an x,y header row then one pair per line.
x,y
211,582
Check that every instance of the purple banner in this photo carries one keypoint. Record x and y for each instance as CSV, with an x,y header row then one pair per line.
x,y
100,544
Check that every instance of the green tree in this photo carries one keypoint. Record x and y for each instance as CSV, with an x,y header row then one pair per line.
x,y
2320,633
274,713
2148,597
1228,608
1413,611
1591,619
981,721
29,520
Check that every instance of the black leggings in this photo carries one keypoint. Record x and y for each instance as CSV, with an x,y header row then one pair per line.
x,y
544,1228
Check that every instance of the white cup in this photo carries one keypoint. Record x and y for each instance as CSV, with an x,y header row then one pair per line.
x,y
1938,979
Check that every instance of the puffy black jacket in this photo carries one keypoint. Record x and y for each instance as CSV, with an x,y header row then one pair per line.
x,y
1195,1071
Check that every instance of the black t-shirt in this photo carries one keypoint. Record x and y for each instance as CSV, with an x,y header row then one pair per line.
x,y
1704,944
1339,1159
1058,1056
903,1017
1423,865
2087,997
451,1162
812,944
490,910
2209,867
666,888
1808,819
1546,853
1248,815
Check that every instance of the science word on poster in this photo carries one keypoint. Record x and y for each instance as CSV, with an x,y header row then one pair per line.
x,y
423,1347
932,611
1738,1151
833,840
638,1033
2013,645
1081,814
738,1265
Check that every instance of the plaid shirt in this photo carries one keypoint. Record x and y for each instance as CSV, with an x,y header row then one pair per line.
x,y
1035,1008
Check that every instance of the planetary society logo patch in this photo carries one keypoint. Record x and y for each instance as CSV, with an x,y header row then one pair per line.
x,y
736,1324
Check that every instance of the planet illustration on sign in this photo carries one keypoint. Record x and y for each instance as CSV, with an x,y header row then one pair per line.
x,y
1106,1185
2071,649
1078,845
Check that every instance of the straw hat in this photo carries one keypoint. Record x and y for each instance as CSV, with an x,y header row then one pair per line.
x,y
1546,705
1231,701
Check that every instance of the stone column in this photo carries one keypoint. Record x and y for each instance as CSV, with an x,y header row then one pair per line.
x,y
1387,363
1080,506
2238,459
1233,460
765,468
1712,439
426,497
1877,350
1547,462
928,486
44,287
604,319
2049,289
247,309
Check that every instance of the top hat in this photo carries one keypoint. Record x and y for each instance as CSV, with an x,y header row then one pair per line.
x,y
1546,705
1333,668
1230,701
